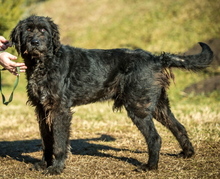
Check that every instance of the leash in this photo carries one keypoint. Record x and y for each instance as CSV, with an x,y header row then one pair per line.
x,y
15,85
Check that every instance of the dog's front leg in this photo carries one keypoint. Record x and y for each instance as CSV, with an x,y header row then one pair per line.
x,y
47,139
59,120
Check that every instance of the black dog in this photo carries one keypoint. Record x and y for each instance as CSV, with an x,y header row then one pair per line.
x,y
61,76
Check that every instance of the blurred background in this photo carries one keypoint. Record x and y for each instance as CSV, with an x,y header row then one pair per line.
x,y
155,26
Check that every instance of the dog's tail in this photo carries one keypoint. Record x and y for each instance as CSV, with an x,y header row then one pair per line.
x,y
189,62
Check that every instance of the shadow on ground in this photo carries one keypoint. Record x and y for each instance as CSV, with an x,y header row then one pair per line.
x,y
21,150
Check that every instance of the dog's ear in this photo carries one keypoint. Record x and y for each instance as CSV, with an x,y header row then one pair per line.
x,y
55,35
15,37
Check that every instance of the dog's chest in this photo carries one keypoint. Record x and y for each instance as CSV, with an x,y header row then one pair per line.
x,y
41,87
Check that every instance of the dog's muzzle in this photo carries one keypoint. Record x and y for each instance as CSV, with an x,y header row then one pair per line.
x,y
35,42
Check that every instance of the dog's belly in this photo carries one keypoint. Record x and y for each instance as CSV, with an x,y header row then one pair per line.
x,y
92,95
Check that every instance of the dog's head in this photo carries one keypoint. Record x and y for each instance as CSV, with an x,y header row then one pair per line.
x,y
36,36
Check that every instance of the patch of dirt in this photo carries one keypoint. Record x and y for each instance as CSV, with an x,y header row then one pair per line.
x,y
213,83
205,86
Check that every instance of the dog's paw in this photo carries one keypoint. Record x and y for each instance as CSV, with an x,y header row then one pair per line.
x,y
39,166
186,154
146,167
53,170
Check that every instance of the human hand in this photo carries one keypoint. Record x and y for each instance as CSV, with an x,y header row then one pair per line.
x,y
5,61
4,44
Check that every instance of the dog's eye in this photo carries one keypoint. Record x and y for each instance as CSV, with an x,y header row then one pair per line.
x,y
42,30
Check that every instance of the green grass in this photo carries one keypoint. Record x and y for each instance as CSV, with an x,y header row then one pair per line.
x,y
152,25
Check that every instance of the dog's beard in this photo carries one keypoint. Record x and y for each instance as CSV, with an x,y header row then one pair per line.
x,y
34,52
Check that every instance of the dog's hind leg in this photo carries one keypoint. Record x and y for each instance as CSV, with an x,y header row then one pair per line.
x,y
164,115
146,126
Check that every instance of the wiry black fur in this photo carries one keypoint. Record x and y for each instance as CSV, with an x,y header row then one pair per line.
x,y
61,76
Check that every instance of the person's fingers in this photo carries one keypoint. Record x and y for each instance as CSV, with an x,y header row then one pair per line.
x,y
2,39
4,44
3,47
13,71
12,57
21,69
11,66
21,65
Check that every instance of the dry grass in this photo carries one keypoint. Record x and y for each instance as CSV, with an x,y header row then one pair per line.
x,y
109,146
106,144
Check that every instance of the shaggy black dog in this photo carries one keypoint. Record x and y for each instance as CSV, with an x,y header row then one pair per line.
x,y
60,76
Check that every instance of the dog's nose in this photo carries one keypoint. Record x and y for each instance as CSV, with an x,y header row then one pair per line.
x,y
35,42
